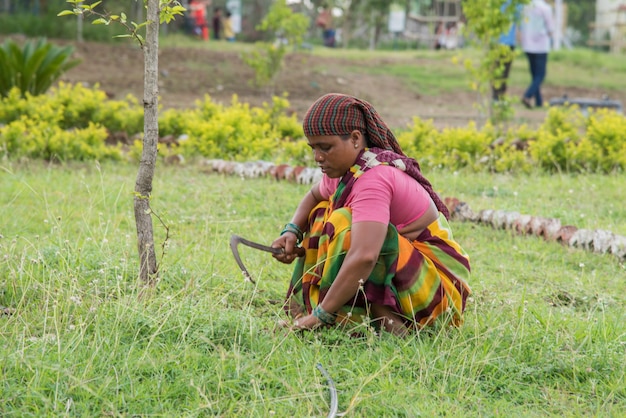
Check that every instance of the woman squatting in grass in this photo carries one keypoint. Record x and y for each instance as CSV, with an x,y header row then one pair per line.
x,y
376,237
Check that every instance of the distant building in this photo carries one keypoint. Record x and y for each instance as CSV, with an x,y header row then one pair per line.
x,y
609,29
435,24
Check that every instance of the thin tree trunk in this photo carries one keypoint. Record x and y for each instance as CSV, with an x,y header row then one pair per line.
x,y
350,19
143,185
407,12
372,31
79,25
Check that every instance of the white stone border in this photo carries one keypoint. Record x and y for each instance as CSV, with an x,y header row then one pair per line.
x,y
597,240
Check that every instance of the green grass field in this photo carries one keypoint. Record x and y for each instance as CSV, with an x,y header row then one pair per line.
x,y
544,333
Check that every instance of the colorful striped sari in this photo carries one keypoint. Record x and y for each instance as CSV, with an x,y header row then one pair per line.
x,y
419,280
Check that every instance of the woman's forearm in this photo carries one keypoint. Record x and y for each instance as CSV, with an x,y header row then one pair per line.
x,y
366,240
301,214
353,273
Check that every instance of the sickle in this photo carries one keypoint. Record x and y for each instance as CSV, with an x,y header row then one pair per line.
x,y
236,239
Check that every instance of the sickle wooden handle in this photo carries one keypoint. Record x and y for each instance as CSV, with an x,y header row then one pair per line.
x,y
235,240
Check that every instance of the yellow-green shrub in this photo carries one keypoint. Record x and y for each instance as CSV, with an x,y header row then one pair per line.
x,y
295,153
570,141
567,120
40,108
456,148
511,153
287,126
231,134
74,106
238,132
606,134
413,141
72,122
548,150
175,121
82,105
36,139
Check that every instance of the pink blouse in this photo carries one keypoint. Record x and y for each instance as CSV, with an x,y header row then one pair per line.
x,y
382,194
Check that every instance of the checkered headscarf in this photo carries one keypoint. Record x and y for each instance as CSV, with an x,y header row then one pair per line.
x,y
339,114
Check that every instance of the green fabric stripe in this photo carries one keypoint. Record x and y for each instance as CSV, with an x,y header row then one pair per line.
x,y
417,286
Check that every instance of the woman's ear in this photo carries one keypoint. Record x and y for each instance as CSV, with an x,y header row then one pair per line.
x,y
357,138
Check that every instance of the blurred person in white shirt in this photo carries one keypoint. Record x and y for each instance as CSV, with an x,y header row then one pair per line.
x,y
536,31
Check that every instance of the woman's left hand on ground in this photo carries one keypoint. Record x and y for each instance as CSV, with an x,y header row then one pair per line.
x,y
308,322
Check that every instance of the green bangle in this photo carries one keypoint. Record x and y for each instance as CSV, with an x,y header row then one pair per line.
x,y
294,229
326,317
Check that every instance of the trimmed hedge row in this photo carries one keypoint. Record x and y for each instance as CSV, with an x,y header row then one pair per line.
x,y
565,141
74,122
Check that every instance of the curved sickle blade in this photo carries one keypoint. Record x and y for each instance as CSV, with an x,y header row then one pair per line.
x,y
235,240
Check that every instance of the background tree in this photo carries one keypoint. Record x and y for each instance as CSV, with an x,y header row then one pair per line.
x,y
365,19
285,29
379,12
158,11
485,23
579,14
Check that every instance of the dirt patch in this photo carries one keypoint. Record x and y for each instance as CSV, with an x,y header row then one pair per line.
x,y
188,74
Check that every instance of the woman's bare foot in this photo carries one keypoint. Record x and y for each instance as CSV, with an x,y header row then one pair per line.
x,y
293,308
389,320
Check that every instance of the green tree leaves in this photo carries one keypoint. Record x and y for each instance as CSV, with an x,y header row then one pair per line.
x,y
486,21
168,10
288,28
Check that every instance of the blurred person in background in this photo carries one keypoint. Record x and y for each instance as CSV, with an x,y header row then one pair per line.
x,y
229,33
325,22
198,16
217,23
536,31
